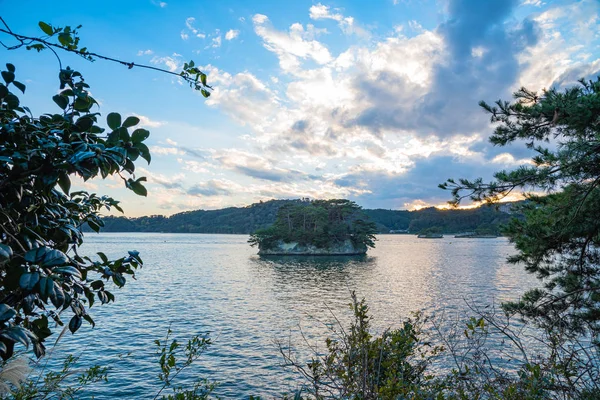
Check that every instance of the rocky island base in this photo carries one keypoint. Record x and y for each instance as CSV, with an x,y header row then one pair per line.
x,y
346,248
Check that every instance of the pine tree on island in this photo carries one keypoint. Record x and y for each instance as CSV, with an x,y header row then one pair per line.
x,y
319,227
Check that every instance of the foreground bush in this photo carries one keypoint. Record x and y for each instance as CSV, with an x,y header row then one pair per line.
x,y
426,360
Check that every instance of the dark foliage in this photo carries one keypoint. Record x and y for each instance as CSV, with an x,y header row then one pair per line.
x,y
559,238
321,223
43,280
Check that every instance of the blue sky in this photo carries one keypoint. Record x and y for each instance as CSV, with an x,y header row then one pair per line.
x,y
375,101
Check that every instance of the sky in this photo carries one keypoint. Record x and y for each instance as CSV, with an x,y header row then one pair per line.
x,y
374,101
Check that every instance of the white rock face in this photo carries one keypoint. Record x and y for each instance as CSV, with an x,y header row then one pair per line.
x,y
343,249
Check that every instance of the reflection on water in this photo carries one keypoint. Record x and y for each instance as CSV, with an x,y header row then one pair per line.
x,y
216,283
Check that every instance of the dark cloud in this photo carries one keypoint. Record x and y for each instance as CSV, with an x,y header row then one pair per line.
x,y
274,174
481,65
572,75
196,153
300,125
168,185
165,182
301,140
419,183
517,149
210,188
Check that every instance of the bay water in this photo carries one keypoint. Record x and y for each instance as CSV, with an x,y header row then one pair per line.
x,y
249,305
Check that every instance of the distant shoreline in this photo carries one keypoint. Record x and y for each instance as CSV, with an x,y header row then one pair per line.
x,y
246,220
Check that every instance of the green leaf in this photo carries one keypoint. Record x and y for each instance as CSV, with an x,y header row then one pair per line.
x,y
84,123
46,257
144,151
3,91
94,226
137,187
19,86
82,104
65,39
17,334
75,323
38,47
97,284
90,320
124,134
10,67
119,280
131,121
57,296
61,101
113,120
12,101
139,135
64,182
5,252
205,93
28,280
39,349
135,254
203,78
46,287
8,76
68,270
47,29
103,257
6,312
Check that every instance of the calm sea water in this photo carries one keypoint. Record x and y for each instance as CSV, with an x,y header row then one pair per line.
x,y
198,283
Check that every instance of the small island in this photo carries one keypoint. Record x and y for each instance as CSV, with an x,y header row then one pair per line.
x,y
431,233
319,227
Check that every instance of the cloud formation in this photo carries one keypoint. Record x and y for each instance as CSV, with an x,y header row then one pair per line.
x,y
232,34
384,120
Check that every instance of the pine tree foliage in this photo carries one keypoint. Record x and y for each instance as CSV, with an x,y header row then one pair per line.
x,y
321,223
559,238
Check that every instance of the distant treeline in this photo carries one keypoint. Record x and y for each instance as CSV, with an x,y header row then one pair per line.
x,y
246,220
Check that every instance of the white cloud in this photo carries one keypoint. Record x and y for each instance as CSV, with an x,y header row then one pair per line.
x,y
195,166
320,11
566,33
243,96
346,24
149,123
290,46
191,29
164,150
353,123
171,63
216,42
161,4
536,3
259,19
189,23
232,34
145,52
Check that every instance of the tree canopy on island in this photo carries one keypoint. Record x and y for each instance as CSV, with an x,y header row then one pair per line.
x,y
321,223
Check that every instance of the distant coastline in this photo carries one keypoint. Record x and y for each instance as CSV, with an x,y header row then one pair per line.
x,y
245,220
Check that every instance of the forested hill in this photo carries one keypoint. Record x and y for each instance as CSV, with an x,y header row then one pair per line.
x,y
246,220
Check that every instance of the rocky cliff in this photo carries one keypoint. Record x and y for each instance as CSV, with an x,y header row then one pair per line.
x,y
281,248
